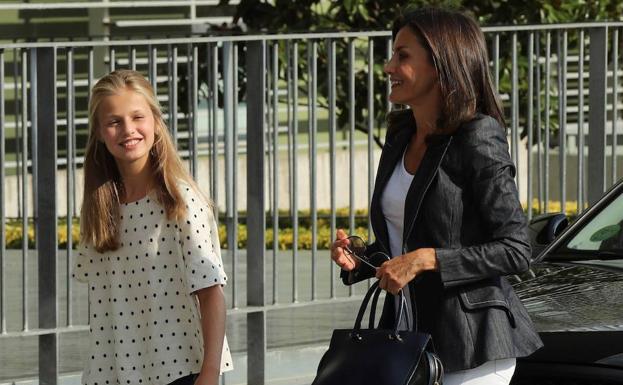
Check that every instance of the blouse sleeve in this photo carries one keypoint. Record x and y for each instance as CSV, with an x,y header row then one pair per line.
x,y
81,264
200,245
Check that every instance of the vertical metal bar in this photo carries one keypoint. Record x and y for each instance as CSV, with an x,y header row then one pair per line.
x,y
562,119
24,116
70,177
598,67
90,72
290,150
173,101
275,148
515,109
313,127
90,82
580,141
295,193
256,219
331,77
190,84
269,130
370,126
194,126
229,93
233,247
32,114
2,199
215,135
529,119
112,58
193,10
496,61
351,142
539,136
210,120
133,58
548,76
18,128
46,222
351,136
615,102
153,68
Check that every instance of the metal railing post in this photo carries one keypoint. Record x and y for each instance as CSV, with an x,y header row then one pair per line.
x,y
256,212
46,221
597,113
229,93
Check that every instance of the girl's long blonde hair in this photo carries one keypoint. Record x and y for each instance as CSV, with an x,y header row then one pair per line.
x,y
103,187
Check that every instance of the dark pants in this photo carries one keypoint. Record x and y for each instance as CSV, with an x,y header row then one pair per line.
x,y
187,380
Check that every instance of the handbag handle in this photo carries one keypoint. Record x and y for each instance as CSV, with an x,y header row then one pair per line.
x,y
376,290
375,300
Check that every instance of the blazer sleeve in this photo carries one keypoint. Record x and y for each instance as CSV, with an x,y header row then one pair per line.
x,y
490,181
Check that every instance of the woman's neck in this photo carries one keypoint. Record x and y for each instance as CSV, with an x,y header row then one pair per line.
x,y
426,116
426,124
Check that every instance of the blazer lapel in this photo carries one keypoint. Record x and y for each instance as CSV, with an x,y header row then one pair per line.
x,y
422,181
391,154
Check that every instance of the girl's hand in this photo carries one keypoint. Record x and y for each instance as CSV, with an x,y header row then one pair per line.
x,y
338,254
399,271
206,379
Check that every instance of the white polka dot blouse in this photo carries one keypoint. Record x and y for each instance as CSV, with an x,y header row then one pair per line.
x,y
144,318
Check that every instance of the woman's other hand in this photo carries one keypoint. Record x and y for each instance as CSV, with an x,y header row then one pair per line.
x,y
338,254
399,271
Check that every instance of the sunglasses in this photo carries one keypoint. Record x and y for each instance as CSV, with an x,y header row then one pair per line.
x,y
357,248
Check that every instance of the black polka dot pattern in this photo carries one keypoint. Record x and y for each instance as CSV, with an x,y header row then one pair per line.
x,y
145,326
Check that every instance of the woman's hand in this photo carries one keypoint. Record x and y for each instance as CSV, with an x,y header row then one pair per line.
x,y
338,254
399,271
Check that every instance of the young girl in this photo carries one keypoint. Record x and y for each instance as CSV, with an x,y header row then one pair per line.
x,y
149,249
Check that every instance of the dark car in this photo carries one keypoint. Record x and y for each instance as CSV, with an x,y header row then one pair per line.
x,y
574,294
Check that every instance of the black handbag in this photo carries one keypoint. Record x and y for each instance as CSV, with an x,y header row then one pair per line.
x,y
379,356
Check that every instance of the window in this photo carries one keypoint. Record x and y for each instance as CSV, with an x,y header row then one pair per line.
x,y
604,232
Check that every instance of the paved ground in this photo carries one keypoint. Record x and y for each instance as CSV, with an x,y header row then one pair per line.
x,y
290,330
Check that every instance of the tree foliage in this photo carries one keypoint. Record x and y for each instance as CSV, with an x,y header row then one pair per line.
x,y
279,16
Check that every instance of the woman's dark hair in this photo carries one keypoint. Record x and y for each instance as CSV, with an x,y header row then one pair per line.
x,y
459,54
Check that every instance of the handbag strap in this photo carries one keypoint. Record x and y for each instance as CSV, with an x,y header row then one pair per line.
x,y
364,304
376,290
375,300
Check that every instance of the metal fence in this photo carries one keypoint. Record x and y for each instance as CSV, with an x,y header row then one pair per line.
x,y
294,153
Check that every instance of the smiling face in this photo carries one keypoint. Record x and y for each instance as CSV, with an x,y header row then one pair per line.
x,y
413,77
126,125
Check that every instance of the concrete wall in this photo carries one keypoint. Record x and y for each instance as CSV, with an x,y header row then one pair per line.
x,y
322,191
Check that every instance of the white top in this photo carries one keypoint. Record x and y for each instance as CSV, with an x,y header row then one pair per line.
x,y
144,321
393,206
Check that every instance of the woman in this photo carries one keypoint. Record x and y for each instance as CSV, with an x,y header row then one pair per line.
x,y
149,249
445,204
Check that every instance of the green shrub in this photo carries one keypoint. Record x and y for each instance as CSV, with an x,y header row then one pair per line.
x,y
285,238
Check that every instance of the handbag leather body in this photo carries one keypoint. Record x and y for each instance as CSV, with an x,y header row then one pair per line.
x,y
379,356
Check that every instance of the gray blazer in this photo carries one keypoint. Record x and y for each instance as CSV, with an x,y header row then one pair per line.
x,y
463,202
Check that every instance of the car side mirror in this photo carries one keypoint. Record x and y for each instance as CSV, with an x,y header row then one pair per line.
x,y
543,229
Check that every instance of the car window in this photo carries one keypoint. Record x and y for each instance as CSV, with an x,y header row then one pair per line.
x,y
604,232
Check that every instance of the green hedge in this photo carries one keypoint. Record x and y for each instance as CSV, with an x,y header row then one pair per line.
x,y
284,239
